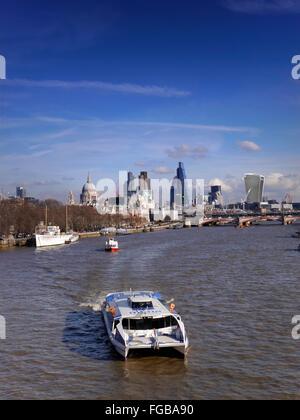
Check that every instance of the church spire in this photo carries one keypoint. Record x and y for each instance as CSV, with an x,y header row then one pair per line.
x,y
89,178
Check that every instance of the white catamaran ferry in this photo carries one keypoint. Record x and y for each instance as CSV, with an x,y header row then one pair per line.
x,y
143,320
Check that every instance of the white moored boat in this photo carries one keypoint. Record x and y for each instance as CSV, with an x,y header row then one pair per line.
x,y
143,320
111,245
71,237
51,236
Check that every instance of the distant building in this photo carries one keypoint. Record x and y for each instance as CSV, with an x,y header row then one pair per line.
x,y
31,200
163,213
89,196
20,192
215,196
254,185
141,204
112,205
144,182
178,193
131,185
71,200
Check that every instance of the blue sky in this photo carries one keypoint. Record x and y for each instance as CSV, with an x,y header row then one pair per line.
x,y
104,86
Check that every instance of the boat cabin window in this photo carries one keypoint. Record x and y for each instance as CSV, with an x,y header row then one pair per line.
x,y
142,305
148,323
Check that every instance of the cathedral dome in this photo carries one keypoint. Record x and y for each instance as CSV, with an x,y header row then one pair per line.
x,y
88,187
89,194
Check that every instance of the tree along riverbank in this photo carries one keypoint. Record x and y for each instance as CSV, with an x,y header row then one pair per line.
x,y
19,217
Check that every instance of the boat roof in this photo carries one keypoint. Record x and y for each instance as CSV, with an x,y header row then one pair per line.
x,y
121,301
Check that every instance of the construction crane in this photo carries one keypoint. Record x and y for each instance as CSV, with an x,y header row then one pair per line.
x,y
287,199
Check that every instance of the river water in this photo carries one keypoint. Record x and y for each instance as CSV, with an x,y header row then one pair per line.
x,y
236,289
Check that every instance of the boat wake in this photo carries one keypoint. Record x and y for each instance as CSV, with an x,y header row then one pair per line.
x,y
94,303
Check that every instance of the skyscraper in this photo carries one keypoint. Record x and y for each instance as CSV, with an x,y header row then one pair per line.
x,y
254,185
20,192
215,195
178,193
144,181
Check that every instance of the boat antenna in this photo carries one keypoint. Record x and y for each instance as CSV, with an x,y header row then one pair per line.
x,y
66,218
46,218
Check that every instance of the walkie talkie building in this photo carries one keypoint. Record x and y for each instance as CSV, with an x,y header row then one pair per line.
x,y
254,188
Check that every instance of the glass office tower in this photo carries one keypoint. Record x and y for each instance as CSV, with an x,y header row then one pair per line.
x,y
254,185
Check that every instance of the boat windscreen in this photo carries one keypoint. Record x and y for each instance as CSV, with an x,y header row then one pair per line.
x,y
142,305
148,323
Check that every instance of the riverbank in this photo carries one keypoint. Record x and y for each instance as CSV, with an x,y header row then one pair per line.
x,y
30,241
11,241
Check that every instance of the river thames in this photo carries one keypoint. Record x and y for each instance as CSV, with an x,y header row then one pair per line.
x,y
236,290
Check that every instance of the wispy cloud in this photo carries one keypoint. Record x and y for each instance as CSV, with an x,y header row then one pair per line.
x,y
249,146
24,157
141,163
60,134
45,182
162,170
223,128
186,151
263,6
154,124
97,123
150,90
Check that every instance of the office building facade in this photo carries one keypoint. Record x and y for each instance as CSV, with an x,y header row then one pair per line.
x,y
254,185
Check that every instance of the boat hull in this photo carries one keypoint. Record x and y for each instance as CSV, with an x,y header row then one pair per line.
x,y
54,240
45,240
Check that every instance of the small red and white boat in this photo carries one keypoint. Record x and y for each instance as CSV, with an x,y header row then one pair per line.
x,y
111,245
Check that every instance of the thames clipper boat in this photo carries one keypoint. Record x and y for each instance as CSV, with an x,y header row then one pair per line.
x,y
111,245
143,320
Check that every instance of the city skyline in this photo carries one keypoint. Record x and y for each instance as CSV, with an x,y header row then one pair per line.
x,y
163,191
103,95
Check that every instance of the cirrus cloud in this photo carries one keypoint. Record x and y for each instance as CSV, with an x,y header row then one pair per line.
x,y
263,6
149,90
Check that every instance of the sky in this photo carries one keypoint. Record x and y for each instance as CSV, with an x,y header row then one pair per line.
x,y
103,86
